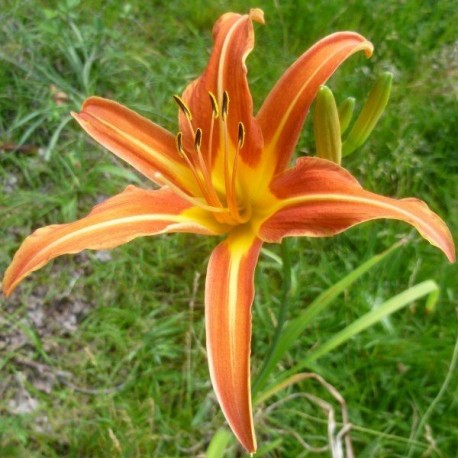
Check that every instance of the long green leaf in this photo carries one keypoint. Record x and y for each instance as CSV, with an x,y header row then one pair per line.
x,y
296,327
428,287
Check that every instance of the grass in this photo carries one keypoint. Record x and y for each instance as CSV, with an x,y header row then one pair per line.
x,y
118,337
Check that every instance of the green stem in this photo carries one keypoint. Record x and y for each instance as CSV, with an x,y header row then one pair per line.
x,y
285,300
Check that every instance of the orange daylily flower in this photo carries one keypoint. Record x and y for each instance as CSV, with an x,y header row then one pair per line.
x,y
226,172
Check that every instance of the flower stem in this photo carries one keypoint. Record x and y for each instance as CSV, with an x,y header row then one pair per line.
x,y
286,296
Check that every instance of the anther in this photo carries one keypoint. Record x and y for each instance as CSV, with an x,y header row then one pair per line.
x,y
241,135
179,142
198,139
214,103
225,106
183,107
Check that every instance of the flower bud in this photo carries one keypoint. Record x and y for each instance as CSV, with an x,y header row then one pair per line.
x,y
327,126
370,114
345,110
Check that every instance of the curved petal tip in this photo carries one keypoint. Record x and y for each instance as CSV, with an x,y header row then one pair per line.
x,y
368,48
256,14
229,293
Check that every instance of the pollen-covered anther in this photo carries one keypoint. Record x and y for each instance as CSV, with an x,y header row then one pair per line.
x,y
225,106
179,143
214,104
241,135
183,107
198,139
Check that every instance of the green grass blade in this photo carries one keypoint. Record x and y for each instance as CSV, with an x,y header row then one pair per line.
x,y
296,327
423,422
268,447
392,305
55,137
219,443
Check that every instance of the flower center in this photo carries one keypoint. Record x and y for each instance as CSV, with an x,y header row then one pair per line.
x,y
222,201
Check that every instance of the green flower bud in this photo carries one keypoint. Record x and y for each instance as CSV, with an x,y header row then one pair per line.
x,y
326,126
346,113
370,114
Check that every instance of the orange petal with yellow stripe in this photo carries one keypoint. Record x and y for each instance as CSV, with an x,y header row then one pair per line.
x,y
144,145
228,297
226,71
133,213
283,112
318,198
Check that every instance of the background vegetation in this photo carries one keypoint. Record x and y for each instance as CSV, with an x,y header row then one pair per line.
x,y
102,354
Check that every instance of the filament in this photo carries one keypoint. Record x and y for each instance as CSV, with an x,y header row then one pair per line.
x,y
193,200
240,143
226,212
211,196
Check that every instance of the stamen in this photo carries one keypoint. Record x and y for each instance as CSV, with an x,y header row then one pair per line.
x,y
199,170
240,142
210,195
183,107
231,198
214,103
179,143
193,200
215,114
241,135
187,112
225,106
194,169
198,139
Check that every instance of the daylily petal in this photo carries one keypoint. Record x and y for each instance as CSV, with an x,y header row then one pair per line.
x,y
226,71
283,112
133,213
317,198
228,297
144,145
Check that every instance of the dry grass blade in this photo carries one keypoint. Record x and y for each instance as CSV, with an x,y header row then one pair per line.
x,y
339,442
